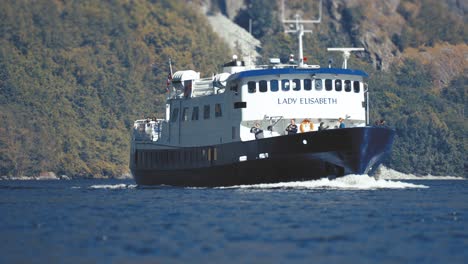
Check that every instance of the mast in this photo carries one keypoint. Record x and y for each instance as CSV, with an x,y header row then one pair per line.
x,y
170,66
299,28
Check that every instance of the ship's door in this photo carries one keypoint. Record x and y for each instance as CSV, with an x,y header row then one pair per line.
x,y
174,122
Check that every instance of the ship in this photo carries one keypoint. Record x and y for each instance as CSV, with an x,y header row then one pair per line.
x,y
251,124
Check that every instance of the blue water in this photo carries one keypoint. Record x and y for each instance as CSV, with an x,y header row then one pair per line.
x,y
357,220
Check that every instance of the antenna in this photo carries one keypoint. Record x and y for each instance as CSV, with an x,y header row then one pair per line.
x,y
346,54
299,28
170,66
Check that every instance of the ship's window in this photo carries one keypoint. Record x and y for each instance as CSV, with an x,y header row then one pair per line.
x,y
218,112
145,159
195,113
233,132
296,83
234,86
185,114
347,86
328,85
338,86
307,84
215,154
175,114
262,86
356,86
240,105
285,85
204,157
318,84
274,85
252,87
206,112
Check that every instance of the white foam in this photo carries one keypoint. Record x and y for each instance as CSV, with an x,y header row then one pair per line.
x,y
389,174
348,182
114,186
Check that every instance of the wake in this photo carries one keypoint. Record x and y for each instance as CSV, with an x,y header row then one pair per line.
x,y
348,182
389,174
108,186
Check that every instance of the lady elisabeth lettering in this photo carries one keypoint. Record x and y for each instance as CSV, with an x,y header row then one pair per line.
x,y
310,100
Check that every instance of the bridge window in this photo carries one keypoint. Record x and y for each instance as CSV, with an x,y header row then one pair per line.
x,y
285,85
338,86
263,86
234,86
318,84
296,85
185,114
218,112
328,85
195,113
274,85
356,86
307,84
347,86
252,86
206,112
175,114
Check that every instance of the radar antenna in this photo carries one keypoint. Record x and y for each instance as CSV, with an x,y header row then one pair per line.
x,y
299,28
346,54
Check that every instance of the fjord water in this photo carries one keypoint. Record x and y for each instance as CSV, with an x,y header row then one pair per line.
x,y
356,219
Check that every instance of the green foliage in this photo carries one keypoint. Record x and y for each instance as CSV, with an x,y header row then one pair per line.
x,y
429,126
412,75
74,75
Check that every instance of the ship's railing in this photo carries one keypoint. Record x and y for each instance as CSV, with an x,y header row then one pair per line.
x,y
282,66
147,130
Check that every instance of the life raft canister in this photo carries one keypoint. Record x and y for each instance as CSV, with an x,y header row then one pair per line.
x,y
306,126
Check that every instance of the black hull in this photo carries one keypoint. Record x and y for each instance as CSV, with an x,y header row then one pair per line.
x,y
300,157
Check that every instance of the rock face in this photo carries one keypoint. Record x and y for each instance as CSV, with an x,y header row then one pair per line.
x,y
233,7
368,23
372,27
373,31
47,176
239,40
221,17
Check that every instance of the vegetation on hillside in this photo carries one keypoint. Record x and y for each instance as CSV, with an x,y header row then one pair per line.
x,y
75,74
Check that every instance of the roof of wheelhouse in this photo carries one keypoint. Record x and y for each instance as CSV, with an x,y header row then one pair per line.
x,y
264,72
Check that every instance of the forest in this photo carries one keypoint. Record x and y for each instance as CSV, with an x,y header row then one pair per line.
x,y
75,74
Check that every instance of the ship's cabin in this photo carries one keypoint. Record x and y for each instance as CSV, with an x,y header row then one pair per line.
x,y
225,107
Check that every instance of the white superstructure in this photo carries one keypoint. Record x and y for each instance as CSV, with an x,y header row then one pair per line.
x,y
223,108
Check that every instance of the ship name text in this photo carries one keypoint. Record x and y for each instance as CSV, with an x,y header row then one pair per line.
x,y
309,100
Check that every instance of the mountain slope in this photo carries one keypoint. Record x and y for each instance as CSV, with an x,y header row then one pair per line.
x,y
74,75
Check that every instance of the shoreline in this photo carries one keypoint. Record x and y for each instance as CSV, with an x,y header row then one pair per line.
x,y
383,173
